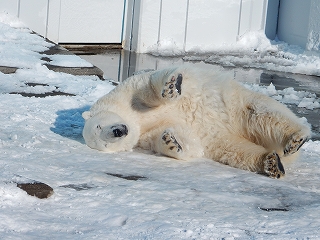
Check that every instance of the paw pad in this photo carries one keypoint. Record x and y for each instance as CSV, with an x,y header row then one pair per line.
x,y
171,142
273,166
172,88
294,144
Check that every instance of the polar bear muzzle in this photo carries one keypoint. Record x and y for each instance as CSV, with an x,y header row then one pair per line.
x,y
113,133
120,130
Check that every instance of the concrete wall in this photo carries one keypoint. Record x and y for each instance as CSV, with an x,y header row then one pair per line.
x,y
294,21
272,19
299,23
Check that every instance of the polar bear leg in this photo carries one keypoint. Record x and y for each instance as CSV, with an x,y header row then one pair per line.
x,y
177,142
169,144
172,142
163,86
240,153
295,142
166,84
273,166
172,87
275,127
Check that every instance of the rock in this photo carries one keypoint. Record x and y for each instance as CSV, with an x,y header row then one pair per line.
x,y
8,70
37,189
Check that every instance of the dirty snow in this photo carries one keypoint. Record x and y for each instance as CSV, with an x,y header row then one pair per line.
x,y
40,139
252,50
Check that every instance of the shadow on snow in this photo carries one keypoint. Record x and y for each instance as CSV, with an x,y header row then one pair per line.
x,y
69,123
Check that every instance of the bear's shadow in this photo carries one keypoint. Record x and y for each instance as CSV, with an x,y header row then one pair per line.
x,y
70,123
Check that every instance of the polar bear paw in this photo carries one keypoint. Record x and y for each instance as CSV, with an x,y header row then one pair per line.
x,y
294,144
171,143
273,166
172,88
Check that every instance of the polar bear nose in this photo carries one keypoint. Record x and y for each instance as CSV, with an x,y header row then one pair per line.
x,y
120,130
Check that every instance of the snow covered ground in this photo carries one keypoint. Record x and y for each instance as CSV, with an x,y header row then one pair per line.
x,y
130,195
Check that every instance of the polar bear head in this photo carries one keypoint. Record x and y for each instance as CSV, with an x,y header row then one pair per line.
x,y
108,132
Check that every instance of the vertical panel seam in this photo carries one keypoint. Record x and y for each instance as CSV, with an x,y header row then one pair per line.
x,y
59,21
123,18
239,21
132,21
186,27
160,17
19,9
47,19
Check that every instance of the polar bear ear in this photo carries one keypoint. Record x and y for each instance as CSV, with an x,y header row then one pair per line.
x,y
86,115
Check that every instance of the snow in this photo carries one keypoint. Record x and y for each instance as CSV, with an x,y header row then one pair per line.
x,y
301,99
68,61
40,139
252,50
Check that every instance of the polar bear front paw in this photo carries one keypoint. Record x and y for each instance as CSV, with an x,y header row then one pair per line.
x,y
170,142
294,144
172,88
273,166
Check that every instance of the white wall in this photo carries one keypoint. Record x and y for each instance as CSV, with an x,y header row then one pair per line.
x,y
212,23
94,21
71,21
32,12
189,24
10,6
186,25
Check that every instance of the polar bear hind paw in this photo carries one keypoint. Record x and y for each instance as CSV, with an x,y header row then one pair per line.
x,y
172,88
273,166
294,144
170,141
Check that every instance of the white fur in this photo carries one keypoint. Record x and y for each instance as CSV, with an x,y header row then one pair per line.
x,y
214,117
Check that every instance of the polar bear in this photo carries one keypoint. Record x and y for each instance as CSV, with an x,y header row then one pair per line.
x,y
186,112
